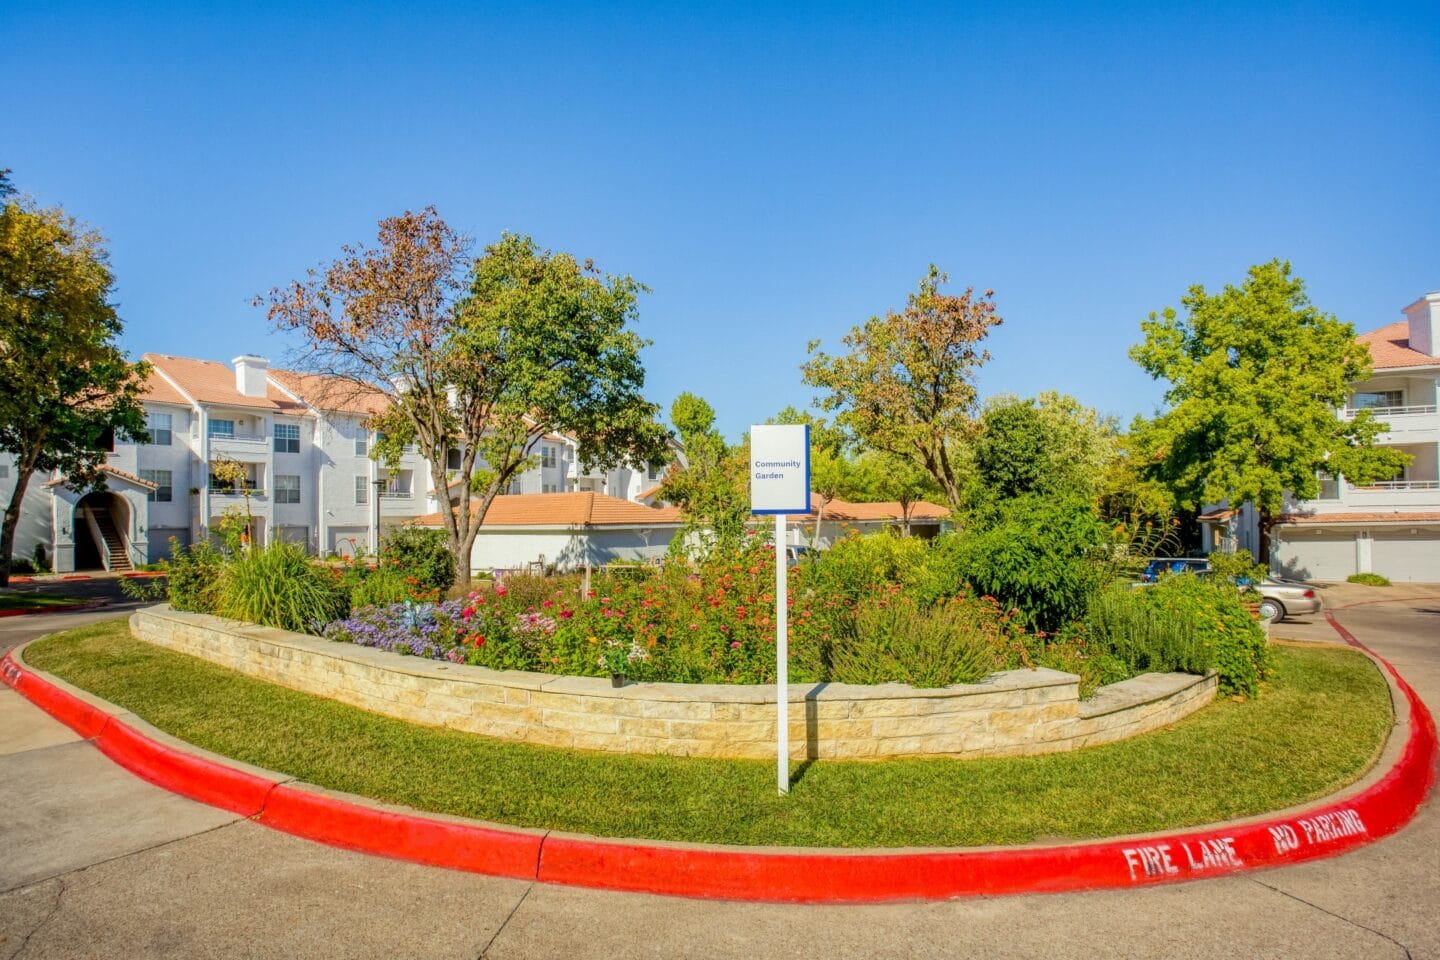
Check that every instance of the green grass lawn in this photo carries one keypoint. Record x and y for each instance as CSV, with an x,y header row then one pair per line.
x,y
36,601
1317,727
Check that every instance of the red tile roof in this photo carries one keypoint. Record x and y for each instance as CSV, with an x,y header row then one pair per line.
x,y
214,383
1373,516
335,394
568,510
841,510
159,390
1390,347
114,473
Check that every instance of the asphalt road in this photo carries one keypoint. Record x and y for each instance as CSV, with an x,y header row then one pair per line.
x,y
97,863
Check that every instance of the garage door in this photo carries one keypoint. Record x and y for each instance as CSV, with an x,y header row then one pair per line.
x,y
300,535
348,541
159,540
1402,555
1307,555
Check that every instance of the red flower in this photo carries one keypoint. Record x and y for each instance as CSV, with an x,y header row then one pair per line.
x,y
467,613
500,590
548,604
566,614
479,641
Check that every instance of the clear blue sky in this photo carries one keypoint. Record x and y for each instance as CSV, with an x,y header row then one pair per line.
x,y
774,175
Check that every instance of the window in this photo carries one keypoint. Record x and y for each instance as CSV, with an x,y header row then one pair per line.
x,y
411,449
547,455
222,428
287,439
1329,486
159,426
4,471
652,472
362,489
452,460
362,447
1372,399
548,488
164,491
287,488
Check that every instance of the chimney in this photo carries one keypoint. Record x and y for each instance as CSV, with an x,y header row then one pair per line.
x,y
250,375
1424,318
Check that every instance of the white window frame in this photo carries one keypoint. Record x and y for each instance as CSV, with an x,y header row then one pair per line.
x,y
362,444
230,432
292,436
282,491
164,481
362,489
548,458
153,420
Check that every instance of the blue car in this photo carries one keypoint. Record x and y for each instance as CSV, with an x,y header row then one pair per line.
x,y
1163,565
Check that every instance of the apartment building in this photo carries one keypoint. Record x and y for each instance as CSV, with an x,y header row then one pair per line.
x,y
303,446
1391,527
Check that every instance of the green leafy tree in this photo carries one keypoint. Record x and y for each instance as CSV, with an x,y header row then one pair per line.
x,y
1127,490
712,488
65,387
1256,374
905,384
481,357
1050,445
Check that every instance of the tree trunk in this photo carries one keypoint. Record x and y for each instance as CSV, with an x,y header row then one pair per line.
x,y
12,519
819,517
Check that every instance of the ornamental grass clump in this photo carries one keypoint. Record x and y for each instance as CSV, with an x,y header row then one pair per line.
x,y
278,586
1144,634
892,638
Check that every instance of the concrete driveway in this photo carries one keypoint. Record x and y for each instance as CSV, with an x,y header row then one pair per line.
x,y
99,864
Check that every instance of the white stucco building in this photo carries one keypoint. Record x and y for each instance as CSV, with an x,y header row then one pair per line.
x,y
1393,527
303,443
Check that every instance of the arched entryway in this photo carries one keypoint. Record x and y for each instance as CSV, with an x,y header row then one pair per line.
x,y
102,526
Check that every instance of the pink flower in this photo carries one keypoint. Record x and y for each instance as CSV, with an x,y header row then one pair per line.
x,y
548,604
467,613
734,644
566,614
500,590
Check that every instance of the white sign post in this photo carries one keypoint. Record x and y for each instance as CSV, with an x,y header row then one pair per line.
x,y
780,485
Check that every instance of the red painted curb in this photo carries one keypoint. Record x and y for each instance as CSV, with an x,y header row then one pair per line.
x,y
438,843
806,876
184,773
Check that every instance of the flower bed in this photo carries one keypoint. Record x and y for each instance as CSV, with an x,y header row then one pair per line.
x,y
1010,713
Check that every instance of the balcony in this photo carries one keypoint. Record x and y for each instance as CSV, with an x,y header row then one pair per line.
x,y
1399,485
240,446
1418,423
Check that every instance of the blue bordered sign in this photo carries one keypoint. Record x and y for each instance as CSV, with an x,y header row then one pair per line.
x,y
780,468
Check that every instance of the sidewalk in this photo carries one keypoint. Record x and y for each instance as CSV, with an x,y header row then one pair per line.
x,y
197,887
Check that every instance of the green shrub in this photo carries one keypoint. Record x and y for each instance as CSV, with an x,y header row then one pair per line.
x,y
1144,635
422,554
1238,567
1235,644
856,565
19,567
192,574
892,638
40,558
1368,579
379,587
278,586
1039,555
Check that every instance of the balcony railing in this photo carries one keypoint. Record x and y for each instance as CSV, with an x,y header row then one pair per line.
x,y
396,495
1401,485
1384,412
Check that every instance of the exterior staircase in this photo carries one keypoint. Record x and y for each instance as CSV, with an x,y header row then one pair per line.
x,y
119,555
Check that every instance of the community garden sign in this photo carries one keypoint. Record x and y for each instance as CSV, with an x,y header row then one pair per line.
x,y
780,485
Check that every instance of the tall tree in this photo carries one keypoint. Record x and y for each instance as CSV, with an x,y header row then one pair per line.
x,y
905,384
64,384
1049,445
478,358
1256,375
711,490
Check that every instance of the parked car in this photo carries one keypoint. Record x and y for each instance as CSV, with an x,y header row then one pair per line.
x,y
1279,598
1284,598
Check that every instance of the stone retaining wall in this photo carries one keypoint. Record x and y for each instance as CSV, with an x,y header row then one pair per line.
x,y
1014,713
